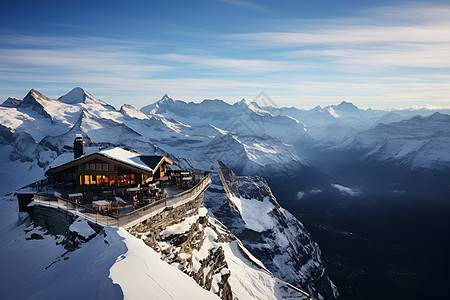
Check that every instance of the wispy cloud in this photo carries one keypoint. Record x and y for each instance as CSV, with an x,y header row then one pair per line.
x,y
303,194
245,4
65,25
385,56
346,190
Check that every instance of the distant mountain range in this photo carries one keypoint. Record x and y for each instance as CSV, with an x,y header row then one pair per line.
x,y
292,148
249,138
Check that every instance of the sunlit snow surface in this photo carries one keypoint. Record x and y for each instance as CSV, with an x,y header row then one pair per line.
x,y
113,266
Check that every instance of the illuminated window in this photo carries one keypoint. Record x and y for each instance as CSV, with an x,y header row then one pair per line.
x,y
126,179
93,181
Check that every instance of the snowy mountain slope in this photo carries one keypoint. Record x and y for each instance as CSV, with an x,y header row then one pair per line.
x,y
335,123
41,116
345,116
43,128
248,208
196,258
242,118
203,248
246,137
112,265
251,154
420,142
17,156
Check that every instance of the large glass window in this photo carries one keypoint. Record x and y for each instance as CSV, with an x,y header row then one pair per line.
x,y
111,167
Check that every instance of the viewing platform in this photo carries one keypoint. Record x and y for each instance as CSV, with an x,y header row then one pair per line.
x,y
121,207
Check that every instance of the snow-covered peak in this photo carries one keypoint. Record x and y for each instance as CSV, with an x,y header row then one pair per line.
x,y
253,106
159,107
11,102
79,95
318,108
346,106
130,111
243,101
164,101
35,96
38,102
165,98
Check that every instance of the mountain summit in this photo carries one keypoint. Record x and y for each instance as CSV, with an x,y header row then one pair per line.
x,y
79,95
346,106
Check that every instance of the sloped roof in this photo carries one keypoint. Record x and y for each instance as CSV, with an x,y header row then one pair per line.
x,y
130,158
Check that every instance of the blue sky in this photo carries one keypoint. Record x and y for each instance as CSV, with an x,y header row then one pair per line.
x,y
300,53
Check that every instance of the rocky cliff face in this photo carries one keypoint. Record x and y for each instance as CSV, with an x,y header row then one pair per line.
x,y
196,243
248,208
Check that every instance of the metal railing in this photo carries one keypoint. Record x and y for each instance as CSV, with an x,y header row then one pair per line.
x,y
75,208
190,194
130,218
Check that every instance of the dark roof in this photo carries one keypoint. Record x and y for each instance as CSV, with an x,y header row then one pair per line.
x,y
151,161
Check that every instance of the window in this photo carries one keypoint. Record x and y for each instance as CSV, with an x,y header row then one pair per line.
x,y
93,180
126,179
111,167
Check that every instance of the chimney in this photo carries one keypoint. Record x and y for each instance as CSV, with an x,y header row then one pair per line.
x,y
78,146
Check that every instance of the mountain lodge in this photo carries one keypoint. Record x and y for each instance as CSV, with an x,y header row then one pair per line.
x,y
116,182
114,168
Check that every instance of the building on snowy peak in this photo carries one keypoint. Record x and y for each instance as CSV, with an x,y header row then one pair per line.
x,y
109,168
116,182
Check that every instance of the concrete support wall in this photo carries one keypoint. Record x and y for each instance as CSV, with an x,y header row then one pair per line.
x,y
55,220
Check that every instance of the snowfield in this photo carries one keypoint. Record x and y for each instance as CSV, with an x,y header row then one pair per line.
x,y
115,265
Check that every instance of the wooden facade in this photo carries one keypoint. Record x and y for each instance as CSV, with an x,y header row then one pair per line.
x,y
99,171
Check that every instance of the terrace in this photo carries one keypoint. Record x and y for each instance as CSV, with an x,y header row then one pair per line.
x,y
122,206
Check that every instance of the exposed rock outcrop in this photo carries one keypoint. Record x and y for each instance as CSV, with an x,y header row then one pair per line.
x,y
248,208
202,247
